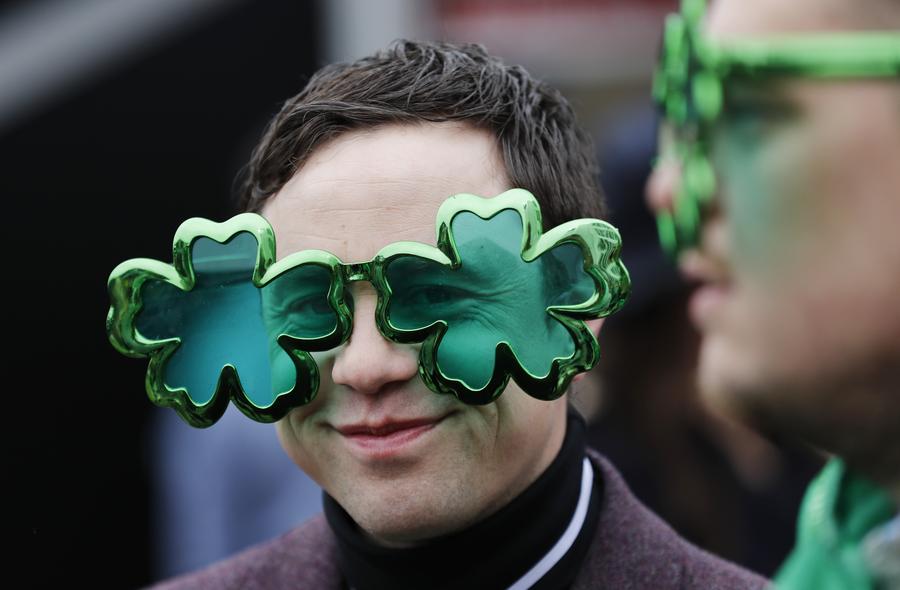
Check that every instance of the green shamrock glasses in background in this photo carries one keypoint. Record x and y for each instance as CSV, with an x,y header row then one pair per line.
x,y
691,82
495,299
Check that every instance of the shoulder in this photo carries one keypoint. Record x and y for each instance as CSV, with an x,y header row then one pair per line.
x,y
301,558
634,548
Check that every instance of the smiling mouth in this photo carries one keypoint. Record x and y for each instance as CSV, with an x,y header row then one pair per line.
x,y
386,429
712,284
385,440
705,302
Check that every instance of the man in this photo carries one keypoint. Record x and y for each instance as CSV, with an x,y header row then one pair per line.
x,y
423,491
796,107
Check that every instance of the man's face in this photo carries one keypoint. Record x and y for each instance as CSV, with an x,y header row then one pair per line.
x,y
407,464
799,261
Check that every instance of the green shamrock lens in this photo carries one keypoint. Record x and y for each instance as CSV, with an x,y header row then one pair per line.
x,y
493,296
296,304
225,320
218,327
218,321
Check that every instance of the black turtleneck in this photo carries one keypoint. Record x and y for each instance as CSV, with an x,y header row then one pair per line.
x,y
494,553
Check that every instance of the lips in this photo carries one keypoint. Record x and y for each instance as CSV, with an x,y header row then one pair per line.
x,y
388,438
713,286
385,428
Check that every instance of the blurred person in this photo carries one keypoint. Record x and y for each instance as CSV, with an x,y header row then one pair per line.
x,y
439,494
779,184
682,460
220,490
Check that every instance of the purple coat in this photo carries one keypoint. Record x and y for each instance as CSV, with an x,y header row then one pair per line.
x,y
632,549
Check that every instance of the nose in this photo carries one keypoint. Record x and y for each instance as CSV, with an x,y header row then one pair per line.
x,y
367,362
663,182
662,185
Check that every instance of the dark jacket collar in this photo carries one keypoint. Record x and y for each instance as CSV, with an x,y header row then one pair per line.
x,y
631,549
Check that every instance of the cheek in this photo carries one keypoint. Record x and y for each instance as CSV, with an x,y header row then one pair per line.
x,y
324,363
287,436
812,196
297,433
765,187
526,425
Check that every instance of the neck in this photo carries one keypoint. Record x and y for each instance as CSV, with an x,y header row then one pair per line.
x,y
882,468
856,419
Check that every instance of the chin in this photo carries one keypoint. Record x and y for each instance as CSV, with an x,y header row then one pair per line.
x,y
403,511
402,520
728,381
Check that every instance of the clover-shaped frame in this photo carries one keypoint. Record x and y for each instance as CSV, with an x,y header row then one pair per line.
x,y
600,245
127,280
693,72
598,242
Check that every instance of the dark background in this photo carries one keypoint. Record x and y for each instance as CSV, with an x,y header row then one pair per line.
x,y
89,178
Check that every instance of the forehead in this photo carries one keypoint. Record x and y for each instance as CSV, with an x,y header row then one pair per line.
x,y
743,18
369,188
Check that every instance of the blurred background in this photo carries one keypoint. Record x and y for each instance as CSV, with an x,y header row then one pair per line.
x,y
121,118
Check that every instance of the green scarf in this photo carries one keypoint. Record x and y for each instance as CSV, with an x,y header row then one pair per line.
x,y
839,509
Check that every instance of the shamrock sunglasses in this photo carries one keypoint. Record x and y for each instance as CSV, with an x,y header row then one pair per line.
x,y
496,299
694,72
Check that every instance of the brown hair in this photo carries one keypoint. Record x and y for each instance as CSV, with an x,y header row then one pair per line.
x,y
543,148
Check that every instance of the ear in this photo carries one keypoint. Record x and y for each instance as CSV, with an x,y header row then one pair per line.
x,y
594,326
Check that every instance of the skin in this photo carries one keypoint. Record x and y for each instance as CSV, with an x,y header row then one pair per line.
x,y
357,193
799,261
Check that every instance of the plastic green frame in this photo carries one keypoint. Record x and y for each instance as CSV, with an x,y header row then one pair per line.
x,y
127,279
598,241
693,71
